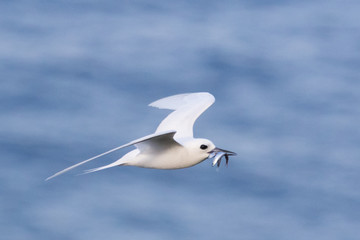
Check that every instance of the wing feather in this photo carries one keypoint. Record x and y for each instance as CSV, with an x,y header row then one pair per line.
x,y
187,108
139,143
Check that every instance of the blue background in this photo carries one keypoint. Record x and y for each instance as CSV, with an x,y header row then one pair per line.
x,y
75,81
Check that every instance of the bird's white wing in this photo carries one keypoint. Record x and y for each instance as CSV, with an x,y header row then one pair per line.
x,y
187,108
144,144
158,143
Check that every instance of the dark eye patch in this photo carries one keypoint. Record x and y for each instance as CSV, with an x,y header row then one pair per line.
x,y
203,147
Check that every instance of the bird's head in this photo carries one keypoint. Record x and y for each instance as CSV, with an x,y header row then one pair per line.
x,y
203,148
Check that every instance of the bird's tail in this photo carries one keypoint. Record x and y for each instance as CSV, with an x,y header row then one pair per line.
x,y
114,164
122,161
125,160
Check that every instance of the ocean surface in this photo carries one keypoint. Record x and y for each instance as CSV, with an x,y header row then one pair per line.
x,y
76,78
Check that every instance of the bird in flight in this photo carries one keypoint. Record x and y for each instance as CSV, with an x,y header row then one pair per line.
x,y
172,146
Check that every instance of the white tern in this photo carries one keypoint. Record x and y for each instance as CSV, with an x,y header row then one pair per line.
x,y
172,146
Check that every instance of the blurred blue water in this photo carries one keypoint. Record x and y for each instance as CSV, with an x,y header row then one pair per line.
x,y
76,77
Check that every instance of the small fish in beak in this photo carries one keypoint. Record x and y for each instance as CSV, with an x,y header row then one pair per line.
x,y
218,153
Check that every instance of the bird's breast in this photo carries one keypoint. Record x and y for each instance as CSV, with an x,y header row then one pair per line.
x,y
172,159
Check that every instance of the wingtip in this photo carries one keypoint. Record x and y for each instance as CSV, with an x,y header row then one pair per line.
x,y
174,101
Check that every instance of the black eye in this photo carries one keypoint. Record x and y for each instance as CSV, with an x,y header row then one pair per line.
x,y
203,147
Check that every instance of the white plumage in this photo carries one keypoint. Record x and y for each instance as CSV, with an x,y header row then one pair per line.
x,y
172,146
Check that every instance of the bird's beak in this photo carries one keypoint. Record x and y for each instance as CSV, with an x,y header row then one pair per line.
x,y
217,150
218,153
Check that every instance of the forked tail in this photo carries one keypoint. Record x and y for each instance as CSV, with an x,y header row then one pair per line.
x,y
114,164
125,160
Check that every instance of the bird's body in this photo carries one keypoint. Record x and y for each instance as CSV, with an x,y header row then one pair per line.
x,y
178,157
172,146
183,155
174,156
